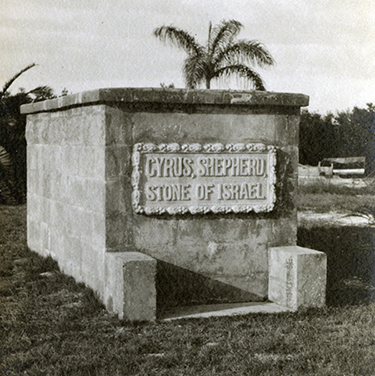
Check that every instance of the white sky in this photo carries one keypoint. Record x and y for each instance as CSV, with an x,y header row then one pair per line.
x,y
322,48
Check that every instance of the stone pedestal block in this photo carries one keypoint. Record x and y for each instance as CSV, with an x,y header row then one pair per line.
x,y
203,180
130,285
297,277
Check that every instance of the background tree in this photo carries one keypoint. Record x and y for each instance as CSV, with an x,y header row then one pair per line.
x,y
356,134
347,134
222,56
317,138
12,138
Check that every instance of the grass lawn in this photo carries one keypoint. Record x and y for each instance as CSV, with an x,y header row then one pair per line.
x,y
336,198
52,326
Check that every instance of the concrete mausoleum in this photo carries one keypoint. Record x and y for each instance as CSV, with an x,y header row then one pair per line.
x,y
171,195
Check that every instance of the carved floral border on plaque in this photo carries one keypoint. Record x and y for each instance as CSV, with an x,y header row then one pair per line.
x,y
203,178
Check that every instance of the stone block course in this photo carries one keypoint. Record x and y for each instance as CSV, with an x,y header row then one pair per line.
x,y
117,127
57,242
93,195
286,131
34,205
154,236
70,159
284,231
85,158
182,127
46,210
115,196
34,239
59,218
99,227
93,261
117,160
32,158
119,232
72,256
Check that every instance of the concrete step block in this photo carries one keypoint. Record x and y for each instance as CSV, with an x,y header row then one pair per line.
x,y
130,289
297,277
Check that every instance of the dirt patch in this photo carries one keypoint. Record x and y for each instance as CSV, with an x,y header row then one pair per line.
x,y
333,218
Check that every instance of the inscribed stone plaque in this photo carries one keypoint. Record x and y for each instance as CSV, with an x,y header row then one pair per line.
x,y
195,178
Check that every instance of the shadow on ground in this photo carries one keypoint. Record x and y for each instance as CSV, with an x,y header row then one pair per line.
x,y
350,261
180,287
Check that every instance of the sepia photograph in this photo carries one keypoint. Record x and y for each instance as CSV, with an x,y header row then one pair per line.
x,y
187,187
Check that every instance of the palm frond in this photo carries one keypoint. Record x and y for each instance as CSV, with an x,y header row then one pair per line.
x,y
195,70
5,158
242,71
10,82
8,191
209,34
246,51
178,38
223,35
41,93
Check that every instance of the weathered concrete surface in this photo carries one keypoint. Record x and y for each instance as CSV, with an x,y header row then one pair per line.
x,y
79,181
67,190
229,248
170,96
297,277
130,285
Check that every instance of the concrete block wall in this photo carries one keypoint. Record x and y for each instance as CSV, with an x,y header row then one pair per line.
x,y
67,190
79,181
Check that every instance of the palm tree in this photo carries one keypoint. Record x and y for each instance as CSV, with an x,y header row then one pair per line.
x,y
223,55
9,139
12,138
